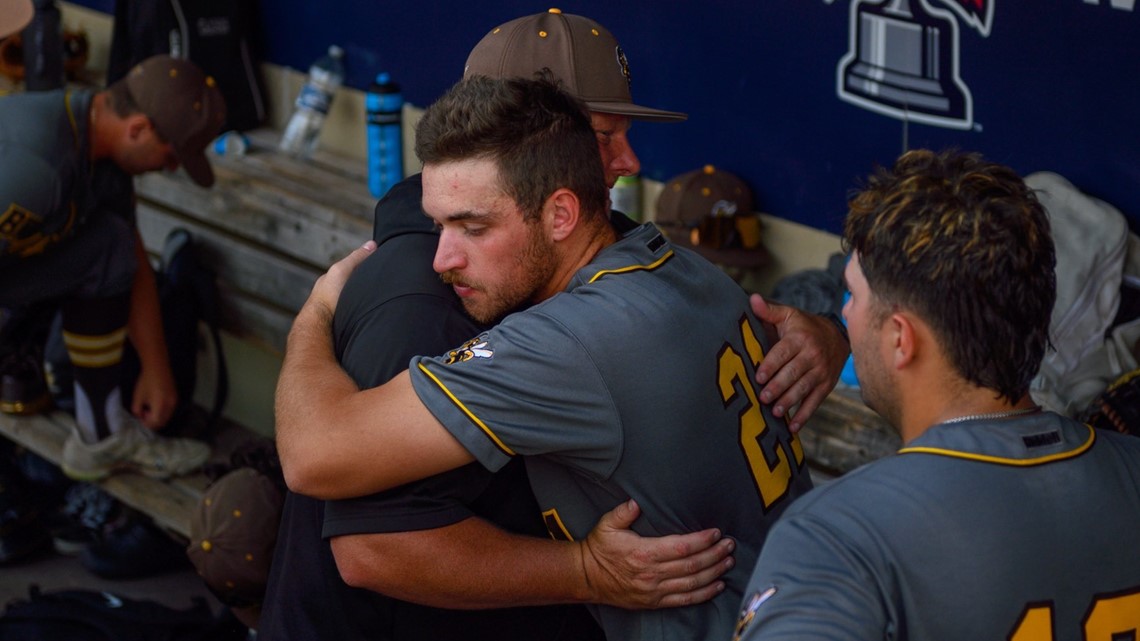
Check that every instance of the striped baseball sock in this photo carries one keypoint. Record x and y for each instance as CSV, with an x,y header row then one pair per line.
x,y
94,332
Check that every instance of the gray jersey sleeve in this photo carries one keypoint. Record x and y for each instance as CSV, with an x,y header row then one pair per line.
x,y
528,386
810,584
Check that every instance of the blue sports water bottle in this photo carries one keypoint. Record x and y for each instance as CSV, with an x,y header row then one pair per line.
x,y
385,150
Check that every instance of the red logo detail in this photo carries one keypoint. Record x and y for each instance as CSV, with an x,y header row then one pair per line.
x,y
978,14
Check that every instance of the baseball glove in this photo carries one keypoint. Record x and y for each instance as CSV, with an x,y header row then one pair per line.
x,y
1118,407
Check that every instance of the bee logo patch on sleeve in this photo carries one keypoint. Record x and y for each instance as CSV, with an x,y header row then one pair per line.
x,y
748,612
477,347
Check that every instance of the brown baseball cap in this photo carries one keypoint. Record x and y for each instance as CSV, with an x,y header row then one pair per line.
x,y
710,209
691,197
580,52
232,535
185,105
14,14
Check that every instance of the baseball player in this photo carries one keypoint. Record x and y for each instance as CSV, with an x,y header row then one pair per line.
x,y
996,520
631,376
68,237
467,538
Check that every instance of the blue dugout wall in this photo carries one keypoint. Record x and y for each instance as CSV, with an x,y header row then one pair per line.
x,y
803,97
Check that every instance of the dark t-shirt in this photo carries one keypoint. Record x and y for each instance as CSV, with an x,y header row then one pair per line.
x,y
395,307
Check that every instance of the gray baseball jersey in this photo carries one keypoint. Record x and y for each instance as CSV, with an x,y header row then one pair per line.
x,y
66,223
1015,529
49,185
636,381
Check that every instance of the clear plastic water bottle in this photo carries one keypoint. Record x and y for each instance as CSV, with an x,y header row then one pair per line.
x,y
385,145
312,104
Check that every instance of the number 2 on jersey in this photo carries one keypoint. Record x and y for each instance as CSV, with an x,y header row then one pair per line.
x,y
772,471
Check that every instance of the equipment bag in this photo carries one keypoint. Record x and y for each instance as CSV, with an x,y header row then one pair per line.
x,y
214,34
188,297
88,615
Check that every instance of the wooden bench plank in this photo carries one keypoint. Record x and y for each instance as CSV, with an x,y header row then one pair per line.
x,y
260,291
243,265
331,178
267,210
353,170
249,318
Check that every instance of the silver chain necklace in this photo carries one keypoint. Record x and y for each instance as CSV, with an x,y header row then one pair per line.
x,y
993,415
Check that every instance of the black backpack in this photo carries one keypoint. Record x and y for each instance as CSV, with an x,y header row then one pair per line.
x,y
216,35
88,615
188,298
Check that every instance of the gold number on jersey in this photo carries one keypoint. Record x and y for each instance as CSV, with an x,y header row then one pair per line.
x,y
1108,618
772,477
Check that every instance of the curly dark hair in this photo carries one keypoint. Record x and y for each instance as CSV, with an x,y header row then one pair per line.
x,y
539,136
965,244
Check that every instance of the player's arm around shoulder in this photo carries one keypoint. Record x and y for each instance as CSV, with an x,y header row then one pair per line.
x,y
473,564
336,441
804,364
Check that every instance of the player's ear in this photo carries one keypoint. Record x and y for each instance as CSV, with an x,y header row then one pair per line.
x,y
564,211
137,125
903,337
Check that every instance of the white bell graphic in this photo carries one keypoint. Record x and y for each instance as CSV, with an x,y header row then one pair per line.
x,y
903,62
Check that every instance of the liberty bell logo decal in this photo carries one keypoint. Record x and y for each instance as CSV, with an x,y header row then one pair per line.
x,y
902,59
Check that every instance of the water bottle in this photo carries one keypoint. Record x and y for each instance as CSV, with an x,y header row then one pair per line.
x,y
625,196
43,48
385,149
312,104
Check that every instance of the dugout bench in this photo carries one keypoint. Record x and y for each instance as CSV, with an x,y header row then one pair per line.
x,y
269,227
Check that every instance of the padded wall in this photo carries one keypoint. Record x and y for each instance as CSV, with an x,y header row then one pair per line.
x,y
771,96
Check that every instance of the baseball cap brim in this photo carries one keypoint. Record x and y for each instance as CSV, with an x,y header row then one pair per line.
x,y
196,166
637,112
14,16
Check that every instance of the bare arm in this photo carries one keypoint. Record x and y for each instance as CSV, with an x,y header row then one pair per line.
x,y
330,437
472,564
804,364
155,395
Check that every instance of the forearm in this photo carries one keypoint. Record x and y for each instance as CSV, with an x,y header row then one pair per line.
x,y
310,389
336,441
473,564
468,565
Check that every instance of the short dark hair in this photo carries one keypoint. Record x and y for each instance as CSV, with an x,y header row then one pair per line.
x,y
539,136
965,244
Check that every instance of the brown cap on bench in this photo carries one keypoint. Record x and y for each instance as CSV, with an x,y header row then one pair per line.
x,y
232,535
